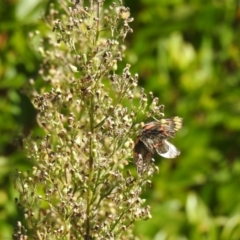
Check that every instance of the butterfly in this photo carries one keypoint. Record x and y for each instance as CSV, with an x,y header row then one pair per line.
x,y
152,139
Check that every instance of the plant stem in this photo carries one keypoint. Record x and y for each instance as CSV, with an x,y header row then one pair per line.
x,y
91,170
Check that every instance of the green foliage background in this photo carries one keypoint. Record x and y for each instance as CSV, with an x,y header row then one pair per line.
x,y
188,54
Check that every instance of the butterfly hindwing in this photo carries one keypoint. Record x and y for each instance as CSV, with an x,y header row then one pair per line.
x,y
167,150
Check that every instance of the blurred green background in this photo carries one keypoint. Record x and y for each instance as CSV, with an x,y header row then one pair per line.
x,y
187,52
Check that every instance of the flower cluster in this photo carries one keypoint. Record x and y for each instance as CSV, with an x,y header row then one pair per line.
x,y
80,186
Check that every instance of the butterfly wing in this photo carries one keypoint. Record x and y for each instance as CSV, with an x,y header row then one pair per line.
x,y
170,126
167,150
142,155
152,135
141,151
